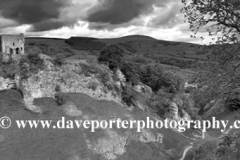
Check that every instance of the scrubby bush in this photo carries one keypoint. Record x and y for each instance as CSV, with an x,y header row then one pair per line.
x,y
92,85
60,99
57,88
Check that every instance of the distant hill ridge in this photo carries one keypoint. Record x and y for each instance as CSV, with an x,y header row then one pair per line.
x,y
91,43
124,38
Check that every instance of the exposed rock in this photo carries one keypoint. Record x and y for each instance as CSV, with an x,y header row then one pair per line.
x,y
144,89
109,146
174,111
70,79
71,109
147,136
174,114
4,83
120,78
47,60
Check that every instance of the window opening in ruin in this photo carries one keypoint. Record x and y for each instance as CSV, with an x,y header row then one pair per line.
x,y
17,50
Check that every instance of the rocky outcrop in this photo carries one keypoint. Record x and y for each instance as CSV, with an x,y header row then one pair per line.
x,y
120,79
143,89
5,83
69,78
147,136
174,113
109,146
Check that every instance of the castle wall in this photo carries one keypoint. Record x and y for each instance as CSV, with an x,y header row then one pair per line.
x,y
12,47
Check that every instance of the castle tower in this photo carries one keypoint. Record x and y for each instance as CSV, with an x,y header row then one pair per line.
x,y
11,47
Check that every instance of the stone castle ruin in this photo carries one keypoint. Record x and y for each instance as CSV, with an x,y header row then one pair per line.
x,y
11,47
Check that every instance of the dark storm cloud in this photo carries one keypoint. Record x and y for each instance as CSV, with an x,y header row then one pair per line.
x,y
169,16
41,14
122,11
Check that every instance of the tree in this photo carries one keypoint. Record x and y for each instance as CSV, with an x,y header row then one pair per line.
x,y
216,16
131,72
113,55
220,77
156,78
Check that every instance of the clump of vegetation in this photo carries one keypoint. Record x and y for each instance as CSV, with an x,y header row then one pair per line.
x,y
131,72
30,64
153,76
60,98
57,88
10,70
88,70
93,85
58,61
49,50
159,102
104,77
112,55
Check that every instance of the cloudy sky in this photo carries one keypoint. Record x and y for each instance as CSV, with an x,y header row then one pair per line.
x,y
160,19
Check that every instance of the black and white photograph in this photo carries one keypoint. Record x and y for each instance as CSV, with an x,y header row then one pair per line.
x,y
119,80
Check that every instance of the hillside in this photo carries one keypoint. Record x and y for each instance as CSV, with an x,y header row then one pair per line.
x,y
57,78
176,57
131,78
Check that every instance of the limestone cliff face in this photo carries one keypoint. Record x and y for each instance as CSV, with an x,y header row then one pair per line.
x,y
120,78
69,78
174,113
